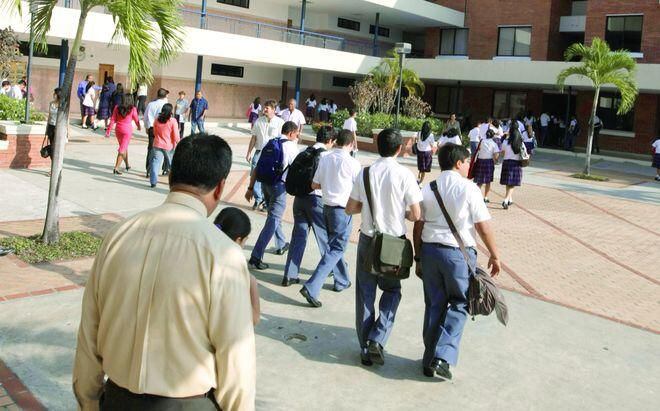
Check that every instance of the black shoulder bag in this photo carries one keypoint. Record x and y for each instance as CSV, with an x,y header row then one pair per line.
x,y
387,255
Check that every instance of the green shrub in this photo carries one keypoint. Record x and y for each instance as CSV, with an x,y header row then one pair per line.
x,y
14,110
73,244
369,121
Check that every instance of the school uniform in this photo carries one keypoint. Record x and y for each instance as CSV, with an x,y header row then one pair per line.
x,y
253,115
444,269
310,107
485,165
393,190
323,112
475,136
545,122
307,214
511,174
528,141
275,196
264,130
425,153
454,140
296,116
498,135
336,173
656,155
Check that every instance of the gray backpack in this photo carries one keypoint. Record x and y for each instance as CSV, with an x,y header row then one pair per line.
x,y
483,294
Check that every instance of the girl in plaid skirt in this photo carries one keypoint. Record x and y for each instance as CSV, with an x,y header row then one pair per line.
x,y
511,175
484,167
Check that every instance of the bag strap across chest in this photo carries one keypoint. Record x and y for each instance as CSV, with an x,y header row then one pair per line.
x,y
367,189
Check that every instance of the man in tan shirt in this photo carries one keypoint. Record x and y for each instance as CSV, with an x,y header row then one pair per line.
x,y
166,312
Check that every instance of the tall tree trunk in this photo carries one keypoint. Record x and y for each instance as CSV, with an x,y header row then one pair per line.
x,y
51,233
590,135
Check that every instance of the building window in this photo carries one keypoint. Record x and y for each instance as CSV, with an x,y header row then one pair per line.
x,y
382,31
508,104
238,3
53,51
514,41
453,42
447,100
348,24
608,104
342,81
624,32
225,70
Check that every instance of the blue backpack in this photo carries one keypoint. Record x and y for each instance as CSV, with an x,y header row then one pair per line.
x,y
269,167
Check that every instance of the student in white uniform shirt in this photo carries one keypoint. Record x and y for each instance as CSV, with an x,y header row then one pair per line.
x,y
450,137
275,195
545,123
310,108
350,124
293,114
335,176
441,264
656,157
395,198
267,126
484,168
475,137
426,146
511,173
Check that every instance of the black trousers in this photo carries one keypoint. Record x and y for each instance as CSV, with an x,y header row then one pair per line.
x,y
120,399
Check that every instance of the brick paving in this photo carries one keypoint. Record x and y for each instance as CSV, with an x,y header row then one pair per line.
x,y
13,394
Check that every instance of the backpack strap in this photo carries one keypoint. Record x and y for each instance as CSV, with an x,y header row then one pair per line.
x,y
452,227
367,189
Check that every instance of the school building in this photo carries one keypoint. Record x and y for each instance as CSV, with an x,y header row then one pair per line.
x,y
478,58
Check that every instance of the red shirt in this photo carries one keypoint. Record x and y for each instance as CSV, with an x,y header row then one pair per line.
x,y
166,135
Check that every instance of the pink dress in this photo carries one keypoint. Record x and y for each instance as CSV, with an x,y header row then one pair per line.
x,y
124,130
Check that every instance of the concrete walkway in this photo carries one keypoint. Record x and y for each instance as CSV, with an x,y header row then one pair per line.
x,y
562,245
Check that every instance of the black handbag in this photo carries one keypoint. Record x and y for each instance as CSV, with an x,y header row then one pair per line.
x,y
414,148
46,150
387,255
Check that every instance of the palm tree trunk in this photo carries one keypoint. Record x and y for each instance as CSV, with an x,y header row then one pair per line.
x,y
590,135
51,233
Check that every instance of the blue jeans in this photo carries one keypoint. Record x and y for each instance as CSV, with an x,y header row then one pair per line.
x,y
157,157
446,278
307,213
258,194
338,225
197,125
367,326
276,200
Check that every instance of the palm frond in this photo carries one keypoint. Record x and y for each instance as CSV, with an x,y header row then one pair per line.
x,y
11,6
625,83
41,22
572,71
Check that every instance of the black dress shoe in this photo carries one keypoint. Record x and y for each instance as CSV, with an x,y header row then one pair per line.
x,y
338,290
311,300
257,265
283,250
288,281
438,367
376,353
364,358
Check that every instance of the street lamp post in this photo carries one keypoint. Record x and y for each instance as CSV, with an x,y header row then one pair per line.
x,y
28,71
401,49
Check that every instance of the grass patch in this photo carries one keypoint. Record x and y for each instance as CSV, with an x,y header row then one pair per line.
x,y
73,244
591,177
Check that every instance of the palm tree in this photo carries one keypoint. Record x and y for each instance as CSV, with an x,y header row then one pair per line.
x,y
386,75
143,24
602,66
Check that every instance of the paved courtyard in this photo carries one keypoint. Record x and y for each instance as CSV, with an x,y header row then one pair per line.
x,y
580,265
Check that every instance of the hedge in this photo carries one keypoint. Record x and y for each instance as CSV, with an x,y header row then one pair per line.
x,y
367,122
14,110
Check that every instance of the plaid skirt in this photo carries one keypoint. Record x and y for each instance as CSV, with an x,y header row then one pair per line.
x,y
484,170
309,111
253,117
656,160
88,111
511,173
424,161
498,141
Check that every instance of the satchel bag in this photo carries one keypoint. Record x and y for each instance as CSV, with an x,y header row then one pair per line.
x,y
387,255
483,295
45,151
524,156
473,161
414,148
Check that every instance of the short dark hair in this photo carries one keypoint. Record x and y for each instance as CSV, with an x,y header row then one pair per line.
x,y
389,141
325,134
452,132
201,160
289,127
6,83
344,138
162,93
233,222
165,113
449,154
351,112
271,103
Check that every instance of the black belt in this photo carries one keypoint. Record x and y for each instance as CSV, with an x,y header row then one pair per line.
x,y
440,245
329,206
114,386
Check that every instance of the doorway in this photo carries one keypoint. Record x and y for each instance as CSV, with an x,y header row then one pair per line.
x,y
105,71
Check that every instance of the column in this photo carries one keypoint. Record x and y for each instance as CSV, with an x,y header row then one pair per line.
x,y
302,41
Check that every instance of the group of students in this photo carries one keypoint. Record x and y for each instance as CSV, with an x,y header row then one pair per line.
x,y
17,91
328,186
324,109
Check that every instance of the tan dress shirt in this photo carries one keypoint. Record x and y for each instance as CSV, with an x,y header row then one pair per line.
x,y
166,311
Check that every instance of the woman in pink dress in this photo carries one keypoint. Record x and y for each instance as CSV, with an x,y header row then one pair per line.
x,y
123,115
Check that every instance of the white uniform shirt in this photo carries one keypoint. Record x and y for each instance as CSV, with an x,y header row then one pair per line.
x,y
336,173
465,206
350,124
482,130
324,153
16,92
142,90
152,111
265,130
444,140
310,103
289,152
323,107
545,119
393,190
656,145
297,116
487,149
333,108
508,151
427,144
474,135
255,110
90,96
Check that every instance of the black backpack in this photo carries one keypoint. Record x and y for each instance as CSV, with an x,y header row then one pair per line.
x,y
301,171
